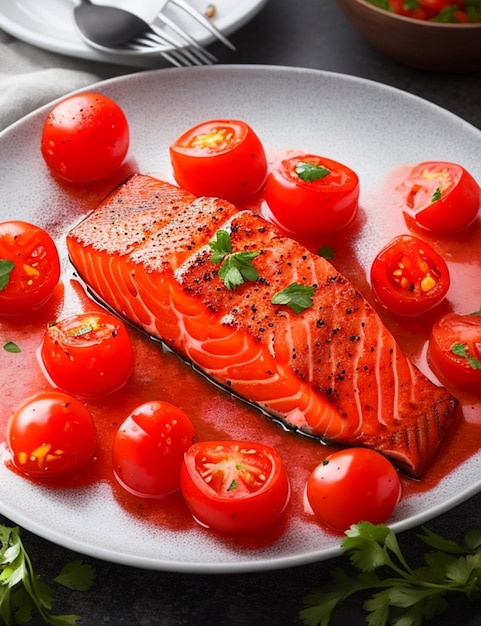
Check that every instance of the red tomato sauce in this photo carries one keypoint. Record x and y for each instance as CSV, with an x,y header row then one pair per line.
x,y
161,375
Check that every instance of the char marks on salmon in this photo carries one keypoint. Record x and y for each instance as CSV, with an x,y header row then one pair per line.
x,y
333,370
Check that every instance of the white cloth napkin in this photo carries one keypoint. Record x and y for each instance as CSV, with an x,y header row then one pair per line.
x,y
31,77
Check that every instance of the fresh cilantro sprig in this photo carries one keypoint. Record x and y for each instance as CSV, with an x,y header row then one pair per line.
x,y
404,596
296,296
236,267
23,595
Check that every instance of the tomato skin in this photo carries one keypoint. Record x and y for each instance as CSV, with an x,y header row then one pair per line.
x,y
85,137
50,434
222,484
453,331
351,486
219,158
149,448
89,354
36,270
459,201
408,277
312,207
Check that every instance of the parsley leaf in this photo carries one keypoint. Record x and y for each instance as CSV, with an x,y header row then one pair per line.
x,y
327,252
6,268
220,246
436,195
10,346
76,575
236,267
404,595
459,349
22,594
309,172
297,297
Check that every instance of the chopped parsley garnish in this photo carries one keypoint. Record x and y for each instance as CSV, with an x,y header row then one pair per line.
x,y
459,349
10,346
297,297
309,172
236,267
400,594
6,268
436,195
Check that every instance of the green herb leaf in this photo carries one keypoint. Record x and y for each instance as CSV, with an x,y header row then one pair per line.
x,y
221,246
327,252
236,267
297,297
309,172
11,347
76,575
23,596
403,596
6,268
459,349
436,195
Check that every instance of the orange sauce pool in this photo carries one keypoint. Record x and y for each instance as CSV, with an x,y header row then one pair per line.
x,y
216,414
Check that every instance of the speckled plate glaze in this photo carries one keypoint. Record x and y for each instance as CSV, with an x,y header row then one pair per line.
x,y
50,24
367,125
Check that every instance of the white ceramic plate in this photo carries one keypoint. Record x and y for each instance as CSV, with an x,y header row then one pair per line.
x,y
367,125
50,24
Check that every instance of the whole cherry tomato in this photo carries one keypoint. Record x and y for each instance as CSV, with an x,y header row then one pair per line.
x,y
311,195
234,486
85,137
29,267
351,486
149,448
408,276
50,434
221,158
89,354
454,351
442,197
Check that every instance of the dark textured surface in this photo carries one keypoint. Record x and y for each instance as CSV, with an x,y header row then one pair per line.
x,y
314,34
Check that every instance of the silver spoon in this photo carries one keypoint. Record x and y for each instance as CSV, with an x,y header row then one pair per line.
x,y
122,25
126,30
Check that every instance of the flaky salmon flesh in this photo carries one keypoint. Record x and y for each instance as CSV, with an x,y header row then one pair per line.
x,y
332,370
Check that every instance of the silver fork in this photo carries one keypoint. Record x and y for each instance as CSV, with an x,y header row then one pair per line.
x,y
197,15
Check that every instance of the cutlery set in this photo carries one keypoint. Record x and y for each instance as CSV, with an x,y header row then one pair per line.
x,y
108,28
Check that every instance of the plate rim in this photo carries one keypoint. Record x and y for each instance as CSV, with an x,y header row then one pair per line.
x,y
248,565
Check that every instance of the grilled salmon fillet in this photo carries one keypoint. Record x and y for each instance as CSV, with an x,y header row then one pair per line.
x,y
333,370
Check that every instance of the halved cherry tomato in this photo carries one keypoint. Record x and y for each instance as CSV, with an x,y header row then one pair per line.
x,y
29,267
454,352
50,434
351,486
408,276
310,194
234,486
89,354
442,197
222,158
149,448
85,137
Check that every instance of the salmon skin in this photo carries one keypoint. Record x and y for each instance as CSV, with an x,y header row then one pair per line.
x,y
332,371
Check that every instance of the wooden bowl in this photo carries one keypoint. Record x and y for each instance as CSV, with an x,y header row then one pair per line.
x,y
425,45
